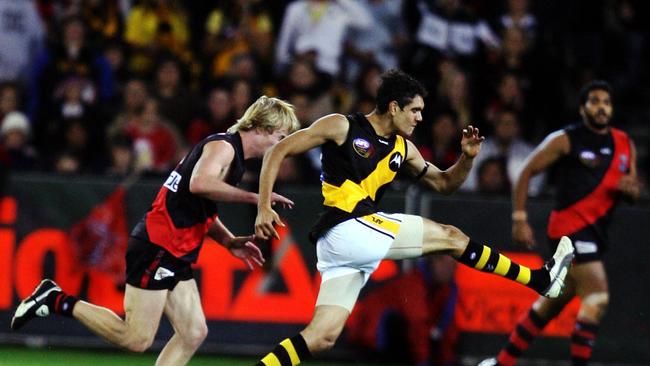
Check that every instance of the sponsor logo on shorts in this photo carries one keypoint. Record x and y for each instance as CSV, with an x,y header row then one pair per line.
x,y
162,273
363,147
585,247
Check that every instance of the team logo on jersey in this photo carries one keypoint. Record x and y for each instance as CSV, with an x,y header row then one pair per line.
x,y
363,147
395,161
589,158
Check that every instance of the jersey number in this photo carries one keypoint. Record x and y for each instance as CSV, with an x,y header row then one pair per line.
x,y
172,182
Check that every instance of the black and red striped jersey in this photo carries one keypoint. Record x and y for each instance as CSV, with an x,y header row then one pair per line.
x,y
587,181
178,219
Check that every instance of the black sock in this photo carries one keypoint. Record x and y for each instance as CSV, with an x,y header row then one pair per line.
x,y
489,260
61,303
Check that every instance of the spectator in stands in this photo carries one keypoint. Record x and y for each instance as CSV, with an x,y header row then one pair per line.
x,y
518,16
316,29
509,95
441,148
444,28
411,316
156,143
66,162
492,177
453,94
513,56
71,57
70,108
237,28
218,115
362,97
154,27
506,143
78,141
379,44
134,95
176,102
115,55
104,20
21,38
243,94
121,159
9,98
18,153
304,78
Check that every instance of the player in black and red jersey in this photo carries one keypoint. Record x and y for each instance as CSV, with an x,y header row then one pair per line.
x,y
596,165
165,243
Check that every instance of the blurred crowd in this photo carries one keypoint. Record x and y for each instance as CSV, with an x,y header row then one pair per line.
x,y
121,86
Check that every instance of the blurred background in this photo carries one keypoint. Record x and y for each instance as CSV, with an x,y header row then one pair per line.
x,y
95,93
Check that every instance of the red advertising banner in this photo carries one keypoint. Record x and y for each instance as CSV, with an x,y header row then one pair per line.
x,y
491,304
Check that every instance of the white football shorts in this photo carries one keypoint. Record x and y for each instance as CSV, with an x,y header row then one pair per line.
x,y
350,251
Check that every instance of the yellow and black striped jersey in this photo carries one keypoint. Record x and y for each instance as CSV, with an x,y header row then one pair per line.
x,y
356,173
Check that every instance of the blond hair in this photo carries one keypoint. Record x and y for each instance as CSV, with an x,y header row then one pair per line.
x,y
270,114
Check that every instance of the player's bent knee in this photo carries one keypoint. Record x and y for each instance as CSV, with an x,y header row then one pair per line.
x,y
324,342
319,340
594,305
196,335
457,239
139,343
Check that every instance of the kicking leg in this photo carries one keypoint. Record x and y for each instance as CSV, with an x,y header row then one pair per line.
x,y
447,239
184,311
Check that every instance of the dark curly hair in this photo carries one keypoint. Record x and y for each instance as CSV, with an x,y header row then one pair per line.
x,y
594,85
397,86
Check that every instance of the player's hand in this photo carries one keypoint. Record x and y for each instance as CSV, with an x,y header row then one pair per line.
x,y
471,142
522,234
264,223
283,201
629,186
243,248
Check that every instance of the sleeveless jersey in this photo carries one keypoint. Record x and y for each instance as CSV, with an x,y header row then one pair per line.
x,y
178,219
356,173
587,181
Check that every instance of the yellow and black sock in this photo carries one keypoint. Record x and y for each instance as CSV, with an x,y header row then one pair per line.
x,y
290,352
486,259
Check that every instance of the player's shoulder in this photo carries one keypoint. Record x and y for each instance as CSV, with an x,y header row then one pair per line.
x,y
558,141
219,146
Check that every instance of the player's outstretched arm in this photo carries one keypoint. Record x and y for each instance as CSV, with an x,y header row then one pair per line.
x,y
446,181
333,127
546,154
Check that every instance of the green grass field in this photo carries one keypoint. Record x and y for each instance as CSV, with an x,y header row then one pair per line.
x,y
21,356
